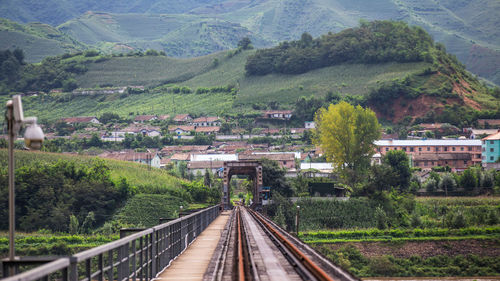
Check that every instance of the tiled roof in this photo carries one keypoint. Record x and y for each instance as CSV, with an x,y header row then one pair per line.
x,y
182,127
78,119
207,129
206,119
205,165
145,117
493,137
181,117
428,142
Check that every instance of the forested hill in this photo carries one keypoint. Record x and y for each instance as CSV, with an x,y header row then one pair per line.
x,y
375,42
396,69
189,28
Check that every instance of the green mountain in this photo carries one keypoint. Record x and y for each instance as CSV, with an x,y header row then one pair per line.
x,y
468,28
37,40
177,35
415,78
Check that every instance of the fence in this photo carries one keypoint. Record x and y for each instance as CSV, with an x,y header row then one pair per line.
x,y
140,256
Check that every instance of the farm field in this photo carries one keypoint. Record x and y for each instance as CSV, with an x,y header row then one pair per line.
x,y
196,73
457,236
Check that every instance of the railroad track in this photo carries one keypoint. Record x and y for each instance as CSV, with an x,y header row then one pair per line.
x,y
257,249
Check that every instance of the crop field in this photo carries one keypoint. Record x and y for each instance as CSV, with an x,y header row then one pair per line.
x,y
149,103
456,236
356,79
144,71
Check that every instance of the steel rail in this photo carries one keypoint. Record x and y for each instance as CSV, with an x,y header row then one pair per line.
x,y
315,270
241,260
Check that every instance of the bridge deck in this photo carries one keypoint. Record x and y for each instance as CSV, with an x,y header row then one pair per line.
x,y
192,264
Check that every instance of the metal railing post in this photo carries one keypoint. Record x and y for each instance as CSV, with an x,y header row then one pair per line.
x,y
73,269
153,254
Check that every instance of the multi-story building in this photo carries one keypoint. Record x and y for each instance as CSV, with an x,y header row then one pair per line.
x,y
457,154
491,151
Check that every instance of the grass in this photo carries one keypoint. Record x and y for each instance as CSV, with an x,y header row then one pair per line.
x,y
136,174
144,210
462,201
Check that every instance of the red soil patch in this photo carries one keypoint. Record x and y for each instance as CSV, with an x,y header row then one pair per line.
x,y
425,249
461,90
418,107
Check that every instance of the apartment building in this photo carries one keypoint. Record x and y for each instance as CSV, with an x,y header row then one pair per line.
x,y
457,154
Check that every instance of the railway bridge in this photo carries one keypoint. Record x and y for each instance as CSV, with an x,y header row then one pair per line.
x,y
211,244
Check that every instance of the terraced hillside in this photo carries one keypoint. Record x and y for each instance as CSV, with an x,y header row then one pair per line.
x,y
37,40
192,28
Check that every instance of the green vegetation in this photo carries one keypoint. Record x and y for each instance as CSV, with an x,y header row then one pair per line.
x,y
401,234
396,212
346,134
81,194
144,210
201,27
46,243
37,40
352,259
47,194
374,42
137,175
450,93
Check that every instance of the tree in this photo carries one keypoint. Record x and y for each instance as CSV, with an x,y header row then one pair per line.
x,y
245,43
399,162
447,183
274,176
346,134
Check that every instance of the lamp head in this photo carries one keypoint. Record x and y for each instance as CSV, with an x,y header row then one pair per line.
x,y
33,136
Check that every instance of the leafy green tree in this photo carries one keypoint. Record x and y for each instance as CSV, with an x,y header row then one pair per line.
x,y
447,183
399,162
346,134
109,117
245,43
73,225
274,176
469,179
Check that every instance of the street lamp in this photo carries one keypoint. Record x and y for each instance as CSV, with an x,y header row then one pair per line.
x,y
33,138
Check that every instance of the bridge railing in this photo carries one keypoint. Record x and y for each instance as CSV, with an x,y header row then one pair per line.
x,y
140,256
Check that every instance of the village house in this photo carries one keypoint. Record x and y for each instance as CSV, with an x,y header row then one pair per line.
x,y
285,160
213,157
150,131
103,91
77,120
170,150
145,118
481,133
163,117
272,131
207,130
489,123
148,158
457,154
297,130
491,151
312,170
182,119
309,125
181,129
207,121
277,114
199,167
